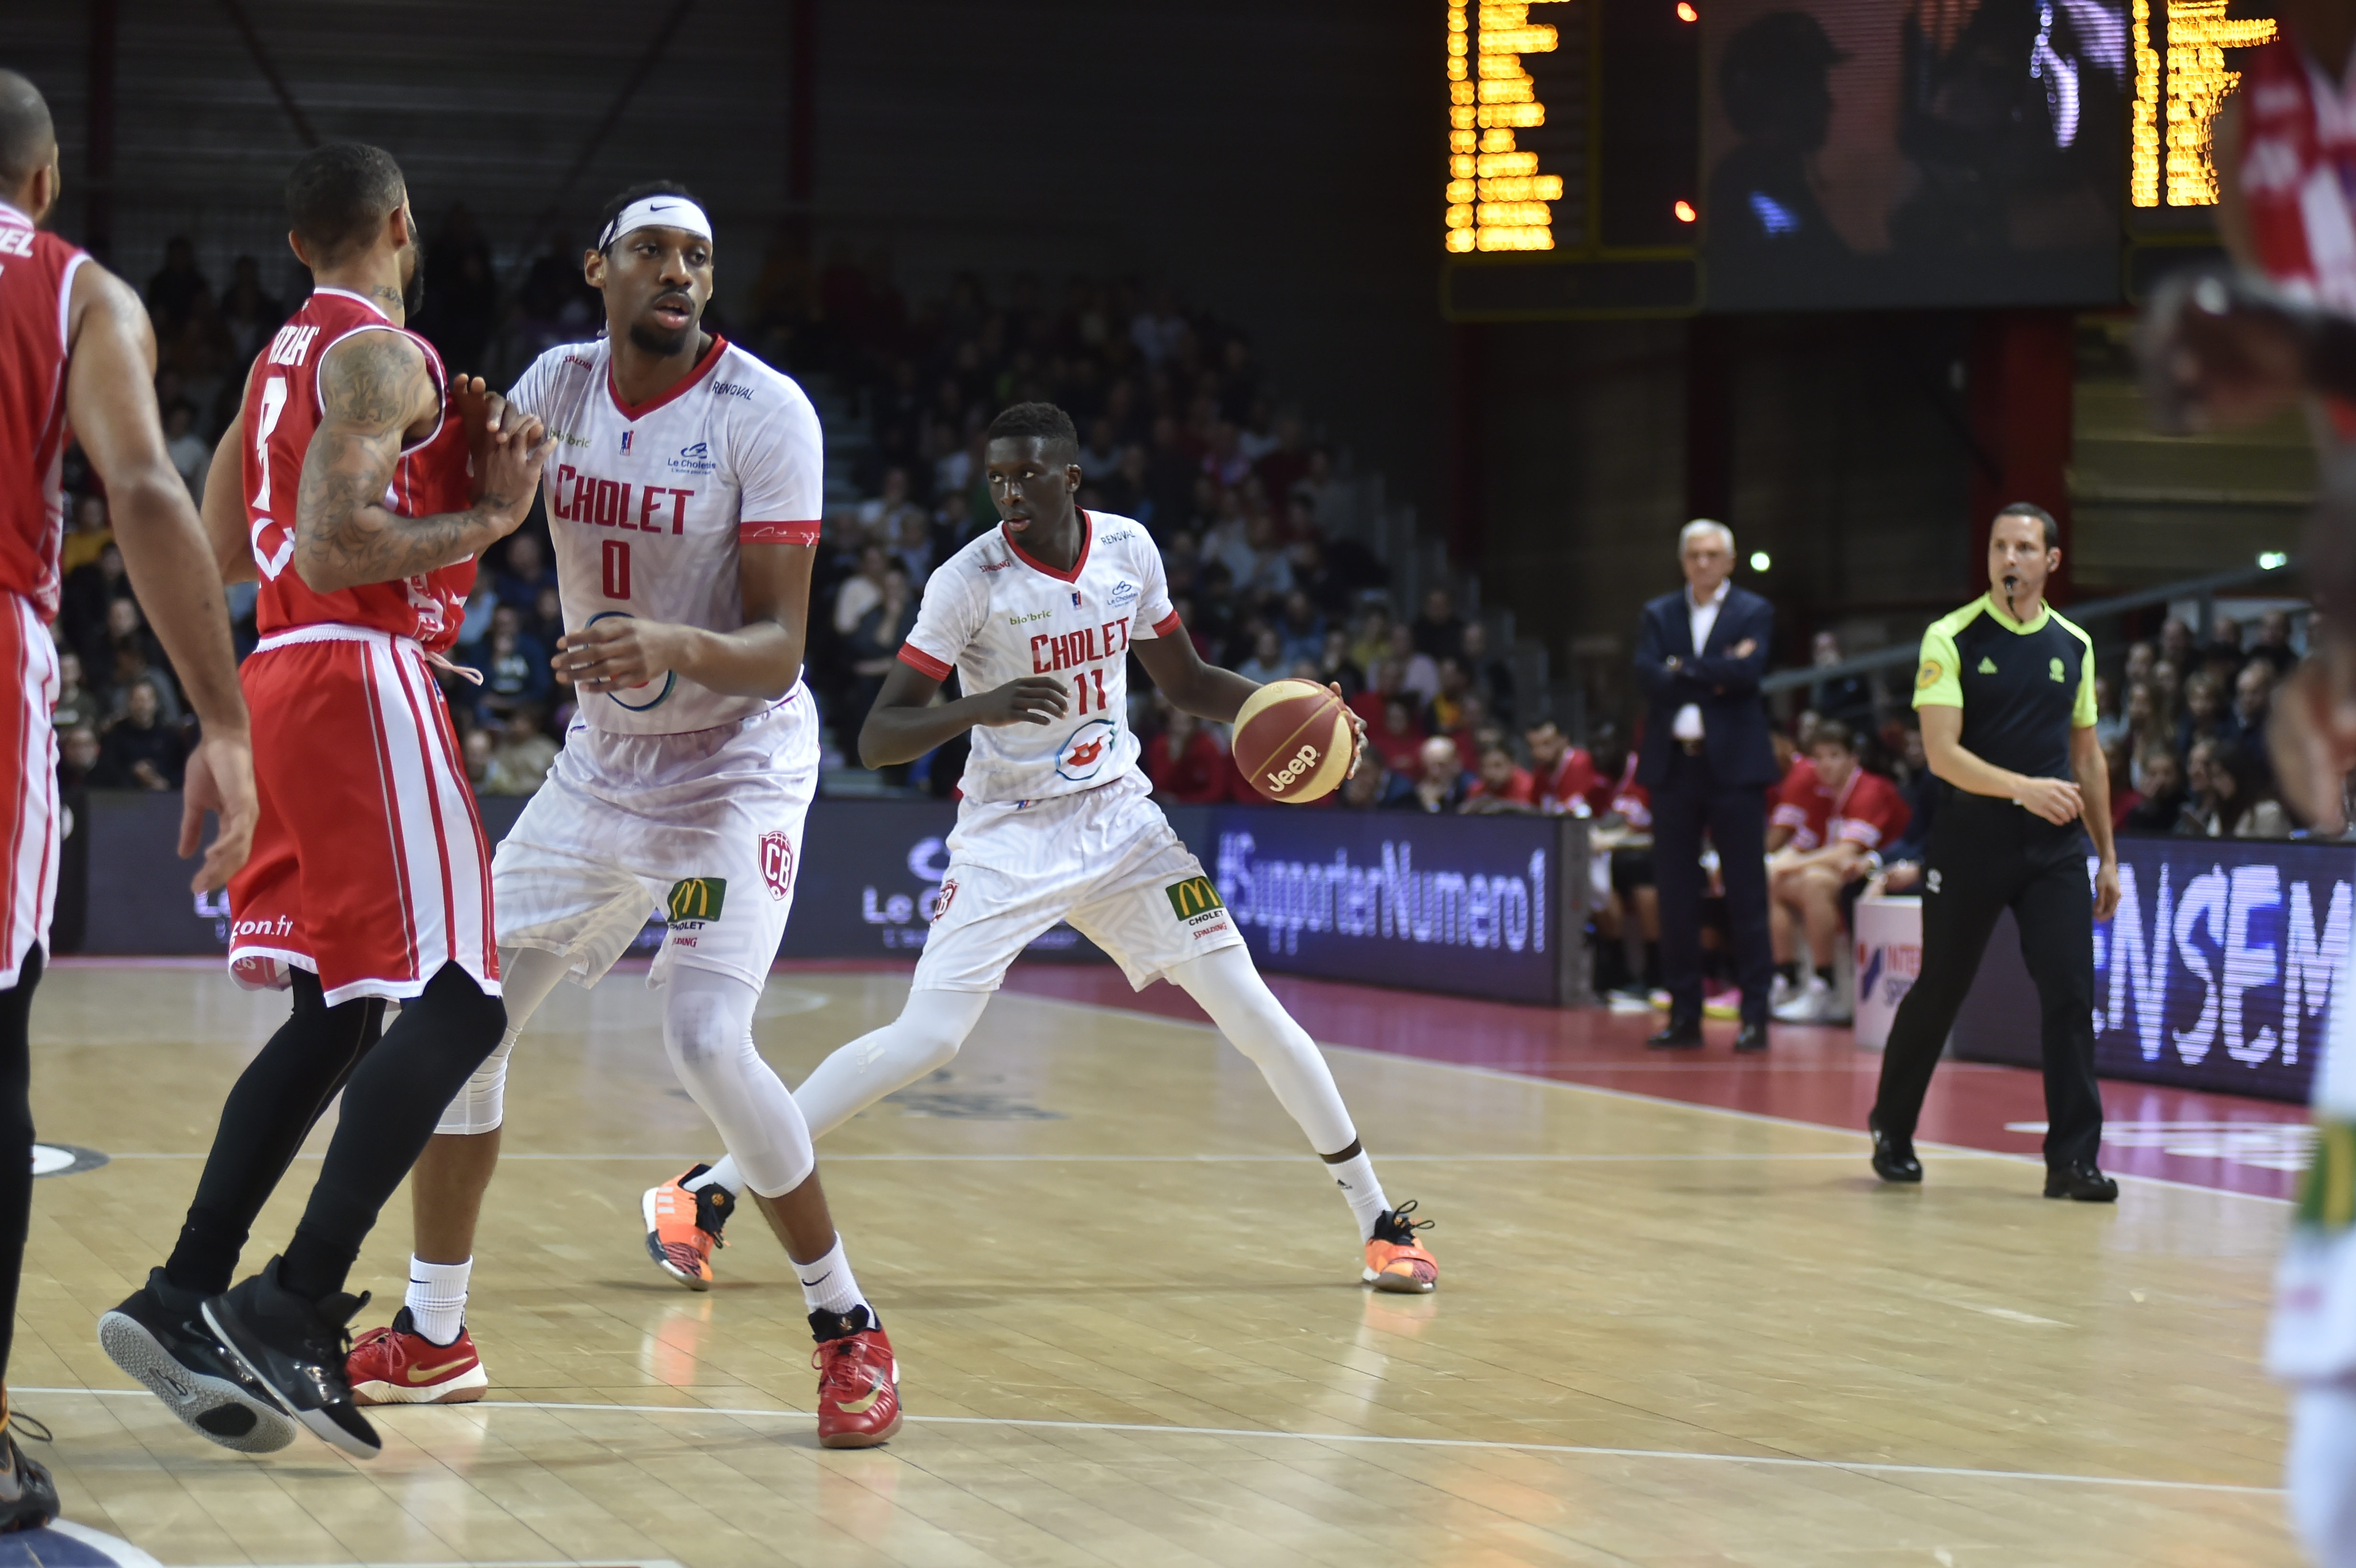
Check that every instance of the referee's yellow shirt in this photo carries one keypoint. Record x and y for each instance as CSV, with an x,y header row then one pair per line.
x,y
2023,685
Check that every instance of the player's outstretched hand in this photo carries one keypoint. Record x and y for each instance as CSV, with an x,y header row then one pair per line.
x,y
219,779
2056,800
2218,353
1033,700
2312,740
1357,731
507,465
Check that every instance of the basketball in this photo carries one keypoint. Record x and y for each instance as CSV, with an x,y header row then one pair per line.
x,y
1293,741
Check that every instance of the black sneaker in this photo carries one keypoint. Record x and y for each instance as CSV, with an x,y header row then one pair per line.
x,y
158,1336
29,1497
296,1348
2080,1183
1893,1159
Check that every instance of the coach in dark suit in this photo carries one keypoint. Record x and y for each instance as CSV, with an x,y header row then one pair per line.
x,y
1708,765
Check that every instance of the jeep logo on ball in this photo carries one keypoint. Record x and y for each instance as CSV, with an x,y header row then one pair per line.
x,y
1302,760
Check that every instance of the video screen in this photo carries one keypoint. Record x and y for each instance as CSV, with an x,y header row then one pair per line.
x,y
1859,153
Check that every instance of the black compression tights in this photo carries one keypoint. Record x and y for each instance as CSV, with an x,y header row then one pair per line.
x,y
278,1100
16,1142
395,1100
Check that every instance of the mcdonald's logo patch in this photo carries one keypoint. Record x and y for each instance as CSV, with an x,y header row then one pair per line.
x,y
694,899
1193,898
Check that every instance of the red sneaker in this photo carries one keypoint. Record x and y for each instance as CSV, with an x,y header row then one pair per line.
x,y
400,1366
857,1389
683,1227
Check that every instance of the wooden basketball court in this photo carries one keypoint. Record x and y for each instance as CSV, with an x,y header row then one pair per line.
x,y
1130,1331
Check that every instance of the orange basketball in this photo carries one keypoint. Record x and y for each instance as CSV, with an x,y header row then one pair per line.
x,y
1293,741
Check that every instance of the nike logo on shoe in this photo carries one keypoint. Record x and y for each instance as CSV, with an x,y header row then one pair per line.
x,y
427,1374
862,1405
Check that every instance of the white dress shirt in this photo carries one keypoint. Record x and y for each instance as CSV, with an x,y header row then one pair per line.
x,y
1702,617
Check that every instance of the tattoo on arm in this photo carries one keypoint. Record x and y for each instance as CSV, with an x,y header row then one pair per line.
x,y
374,387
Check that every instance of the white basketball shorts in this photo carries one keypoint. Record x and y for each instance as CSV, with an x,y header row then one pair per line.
x,y
702,830
1105,859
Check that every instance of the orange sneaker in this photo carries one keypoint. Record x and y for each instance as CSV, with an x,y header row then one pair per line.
x,y
1394,1259
858,1389
400,1366
683,1227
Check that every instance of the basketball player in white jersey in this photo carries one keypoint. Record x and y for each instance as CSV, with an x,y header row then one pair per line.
x,y
683,501
1038,618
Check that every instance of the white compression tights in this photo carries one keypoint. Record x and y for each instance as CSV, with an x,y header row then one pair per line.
x,y
2321,1468
708,1031
708,1034
927,1033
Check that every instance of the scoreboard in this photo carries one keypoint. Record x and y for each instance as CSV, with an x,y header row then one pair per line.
x,y
1613,157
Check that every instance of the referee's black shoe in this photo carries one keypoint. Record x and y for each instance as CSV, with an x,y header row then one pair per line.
x,y
2080,1183
1680,1034
296,1349
1893,1159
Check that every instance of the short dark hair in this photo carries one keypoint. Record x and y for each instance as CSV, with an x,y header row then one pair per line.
x,y
2044,517
29,139
1045,421
622,198
1853,741
338,194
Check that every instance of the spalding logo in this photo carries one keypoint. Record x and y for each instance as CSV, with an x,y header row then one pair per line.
x,y
1302,760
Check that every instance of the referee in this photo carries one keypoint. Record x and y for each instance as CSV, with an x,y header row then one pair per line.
x,y
2006,691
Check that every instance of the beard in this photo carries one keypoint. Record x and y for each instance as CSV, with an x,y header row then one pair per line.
x,y
412,280
654,340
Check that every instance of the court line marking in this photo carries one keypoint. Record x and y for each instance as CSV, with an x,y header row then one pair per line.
x,y
1867,1467
1510,1077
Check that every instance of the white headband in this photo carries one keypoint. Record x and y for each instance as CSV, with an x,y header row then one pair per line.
x,y
656,212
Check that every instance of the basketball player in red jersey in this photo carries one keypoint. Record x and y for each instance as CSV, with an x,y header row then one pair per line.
x,y
2286,158
344,482
76,349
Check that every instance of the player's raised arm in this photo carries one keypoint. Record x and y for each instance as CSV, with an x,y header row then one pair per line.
x,y
111,403
376,387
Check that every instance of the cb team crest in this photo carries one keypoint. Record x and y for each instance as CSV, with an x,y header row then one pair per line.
x,y
778,863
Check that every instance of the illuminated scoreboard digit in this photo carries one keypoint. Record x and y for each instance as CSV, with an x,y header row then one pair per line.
x,y
1497,196
2177,96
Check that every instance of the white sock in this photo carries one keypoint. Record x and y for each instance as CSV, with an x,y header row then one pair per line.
x,y
1355,1177
827,1285
437,1298
725,1174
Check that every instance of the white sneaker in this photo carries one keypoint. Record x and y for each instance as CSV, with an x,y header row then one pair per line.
x,y
1809,1007
1780,992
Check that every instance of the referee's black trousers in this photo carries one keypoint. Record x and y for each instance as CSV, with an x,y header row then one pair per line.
x,y
1987,855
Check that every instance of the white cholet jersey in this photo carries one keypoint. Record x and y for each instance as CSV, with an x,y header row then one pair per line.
x,y
648,504
998,614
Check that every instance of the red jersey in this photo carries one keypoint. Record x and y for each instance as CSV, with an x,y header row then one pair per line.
x,y
1521,789
2298,156
282,410
1557,790
1199,774
36,272
1623,794
1867,811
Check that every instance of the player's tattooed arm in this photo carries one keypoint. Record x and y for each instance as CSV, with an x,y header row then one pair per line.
x,y
375,387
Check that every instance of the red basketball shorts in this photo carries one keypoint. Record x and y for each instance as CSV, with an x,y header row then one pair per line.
x,y
370,867
29,815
